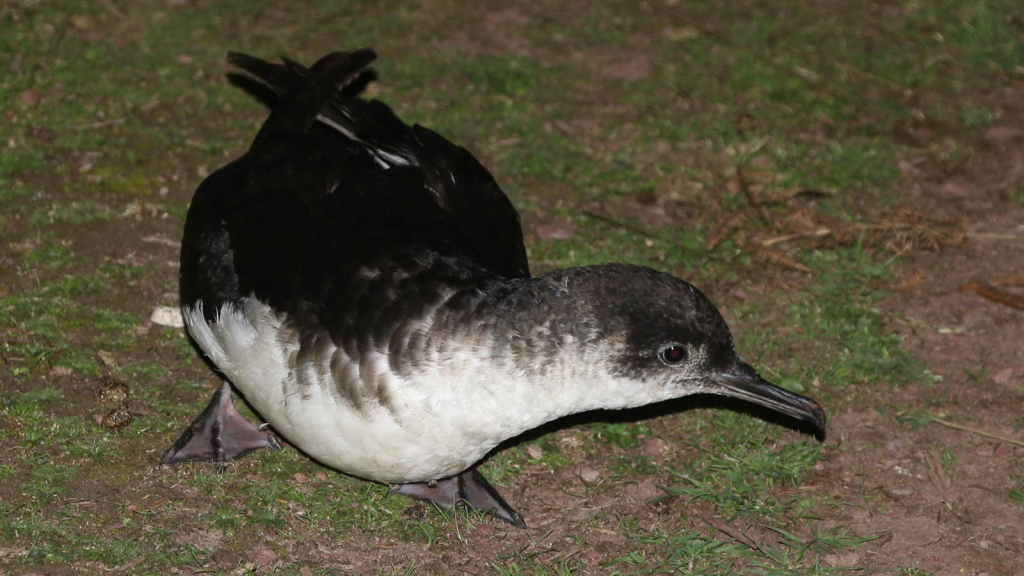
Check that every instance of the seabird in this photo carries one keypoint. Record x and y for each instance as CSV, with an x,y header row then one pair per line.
x,y
364,284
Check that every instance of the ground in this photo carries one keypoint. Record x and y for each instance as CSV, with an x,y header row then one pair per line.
x,y
831,174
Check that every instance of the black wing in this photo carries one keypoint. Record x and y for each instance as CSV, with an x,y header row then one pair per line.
x,y
333,184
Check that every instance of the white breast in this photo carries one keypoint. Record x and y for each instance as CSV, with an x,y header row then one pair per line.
x,y
433,424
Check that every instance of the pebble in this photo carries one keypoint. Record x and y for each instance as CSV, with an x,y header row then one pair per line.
x,y
589,475
555,232
264,557
986,449
592,558
32,97
167,316
1003,134
61,371
656,447
1004,377
901,491
898,448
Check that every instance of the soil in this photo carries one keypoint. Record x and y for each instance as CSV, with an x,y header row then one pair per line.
x,y
882,462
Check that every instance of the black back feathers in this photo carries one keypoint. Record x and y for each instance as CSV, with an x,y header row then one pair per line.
x,y
333,184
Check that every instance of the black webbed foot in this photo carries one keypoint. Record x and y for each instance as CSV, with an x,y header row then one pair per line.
x,y
469,488
220,434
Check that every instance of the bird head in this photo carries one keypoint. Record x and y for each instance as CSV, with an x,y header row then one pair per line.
x,y
673,340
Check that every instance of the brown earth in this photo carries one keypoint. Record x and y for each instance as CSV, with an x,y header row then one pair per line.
x,y
882,462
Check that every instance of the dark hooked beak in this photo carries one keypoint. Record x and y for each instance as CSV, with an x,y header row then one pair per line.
x,y
745,383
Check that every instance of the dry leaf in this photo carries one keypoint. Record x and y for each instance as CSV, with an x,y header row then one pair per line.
x,y
995,294
728,228
910,282
1012,280
777,258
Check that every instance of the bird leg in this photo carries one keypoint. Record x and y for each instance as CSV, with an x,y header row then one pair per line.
x,y
220,434
469,488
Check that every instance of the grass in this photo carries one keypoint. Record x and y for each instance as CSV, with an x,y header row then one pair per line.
x,y
694,553
133,102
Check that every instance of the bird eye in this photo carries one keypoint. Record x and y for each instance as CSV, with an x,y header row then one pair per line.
x,y
673,354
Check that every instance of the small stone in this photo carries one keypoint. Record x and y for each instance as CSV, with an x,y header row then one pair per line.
x,y
485,530
107,358
32,97
902,491
898,448
535,451
61,371
83,21
167,316
592,558
589,475
656,447
320,476
264,557
1004,377
1003,134
837,560
986,449
226,557
300,478
955,190
555,231
908,168
305,571
644,491
683,33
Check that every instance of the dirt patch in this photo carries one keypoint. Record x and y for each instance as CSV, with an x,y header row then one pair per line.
x,y
901,467
955,514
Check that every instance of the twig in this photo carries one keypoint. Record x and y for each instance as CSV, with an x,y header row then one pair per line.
x,y
787,237
752,198
94,125
995,237
995,294
159,240
736,535
978,432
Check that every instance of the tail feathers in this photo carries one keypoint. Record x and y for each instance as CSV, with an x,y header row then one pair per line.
x,y
337,69
458,183
302,92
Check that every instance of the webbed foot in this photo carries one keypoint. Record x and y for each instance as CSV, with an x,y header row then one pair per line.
x,y
220,434
469,488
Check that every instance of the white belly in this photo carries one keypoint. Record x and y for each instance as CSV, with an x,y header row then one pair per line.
x,y
424,427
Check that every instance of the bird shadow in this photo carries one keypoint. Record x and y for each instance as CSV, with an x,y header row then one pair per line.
x,y
660,409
